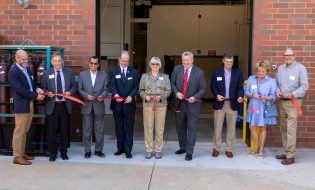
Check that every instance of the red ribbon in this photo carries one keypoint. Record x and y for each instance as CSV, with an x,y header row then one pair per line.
x,y
68,96
297,106
111,98
251,108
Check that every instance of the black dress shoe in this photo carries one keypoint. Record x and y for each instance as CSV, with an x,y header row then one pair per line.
x,y
119,152
128,155
52,157
180,151
99,154
188,157
87,155
64,156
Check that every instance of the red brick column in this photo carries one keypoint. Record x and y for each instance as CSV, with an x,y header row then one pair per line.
x,y
278,24
69,24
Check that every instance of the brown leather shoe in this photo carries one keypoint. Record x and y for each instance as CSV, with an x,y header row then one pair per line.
x,y
281,156
27,157
229,154
215,153
288,161
21,161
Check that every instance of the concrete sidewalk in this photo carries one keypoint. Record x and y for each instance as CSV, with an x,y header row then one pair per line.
x,y
170,172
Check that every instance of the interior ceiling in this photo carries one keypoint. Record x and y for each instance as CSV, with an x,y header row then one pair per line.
x,y
196,2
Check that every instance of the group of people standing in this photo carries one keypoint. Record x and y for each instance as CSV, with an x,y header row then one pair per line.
x,y
188,85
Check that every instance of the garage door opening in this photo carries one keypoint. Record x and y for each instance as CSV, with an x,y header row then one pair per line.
x,y
207,28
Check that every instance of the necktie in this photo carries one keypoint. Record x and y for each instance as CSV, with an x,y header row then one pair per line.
x,y
184,89
124,75
59,85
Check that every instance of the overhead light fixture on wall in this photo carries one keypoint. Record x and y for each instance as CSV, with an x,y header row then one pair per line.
x,y
24,3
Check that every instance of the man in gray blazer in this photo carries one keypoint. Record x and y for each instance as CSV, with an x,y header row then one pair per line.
x,y
59,80
92,86
188,85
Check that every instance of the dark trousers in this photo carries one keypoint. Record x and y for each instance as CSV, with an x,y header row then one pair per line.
x,y
58,121
186,127
124,125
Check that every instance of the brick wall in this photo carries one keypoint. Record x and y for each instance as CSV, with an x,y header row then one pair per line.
x,y
69,24
288,23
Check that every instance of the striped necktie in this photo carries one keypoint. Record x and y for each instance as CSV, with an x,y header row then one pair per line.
x,y
184,89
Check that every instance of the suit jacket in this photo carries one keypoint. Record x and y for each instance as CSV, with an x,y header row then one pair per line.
x,y
86,88
48,85
130,87
196,86
21,89
218,87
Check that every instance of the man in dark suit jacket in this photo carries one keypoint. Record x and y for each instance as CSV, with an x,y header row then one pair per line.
x,y
188,85
92,86
124,85
227,88
57,109
23,87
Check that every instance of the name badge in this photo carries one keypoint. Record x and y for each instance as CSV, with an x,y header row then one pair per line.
x,y
118,76
161,78
51,76
129,78
292,77
254,86
219,78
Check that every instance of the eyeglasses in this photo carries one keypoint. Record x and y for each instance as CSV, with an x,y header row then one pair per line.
x,y
91,63
289,55
155,64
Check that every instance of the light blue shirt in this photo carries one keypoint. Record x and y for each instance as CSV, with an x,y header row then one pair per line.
x,y
62,82
227,78
24,70
189,70
292,78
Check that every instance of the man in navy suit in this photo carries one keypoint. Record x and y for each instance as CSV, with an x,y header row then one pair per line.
x,y
124,85
22,86
227,88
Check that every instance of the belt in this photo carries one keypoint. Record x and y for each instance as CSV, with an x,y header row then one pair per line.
x,y
285,99
60,102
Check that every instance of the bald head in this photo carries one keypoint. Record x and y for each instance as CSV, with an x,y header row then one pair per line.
x,y
20,52
21,57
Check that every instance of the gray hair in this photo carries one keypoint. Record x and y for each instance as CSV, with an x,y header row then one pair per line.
x,y
124,53
228,56
290,49
155,60
55,54
189,54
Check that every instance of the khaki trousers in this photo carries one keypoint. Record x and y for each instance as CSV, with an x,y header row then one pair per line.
x,y
23,122
231,117
154,118
288,126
